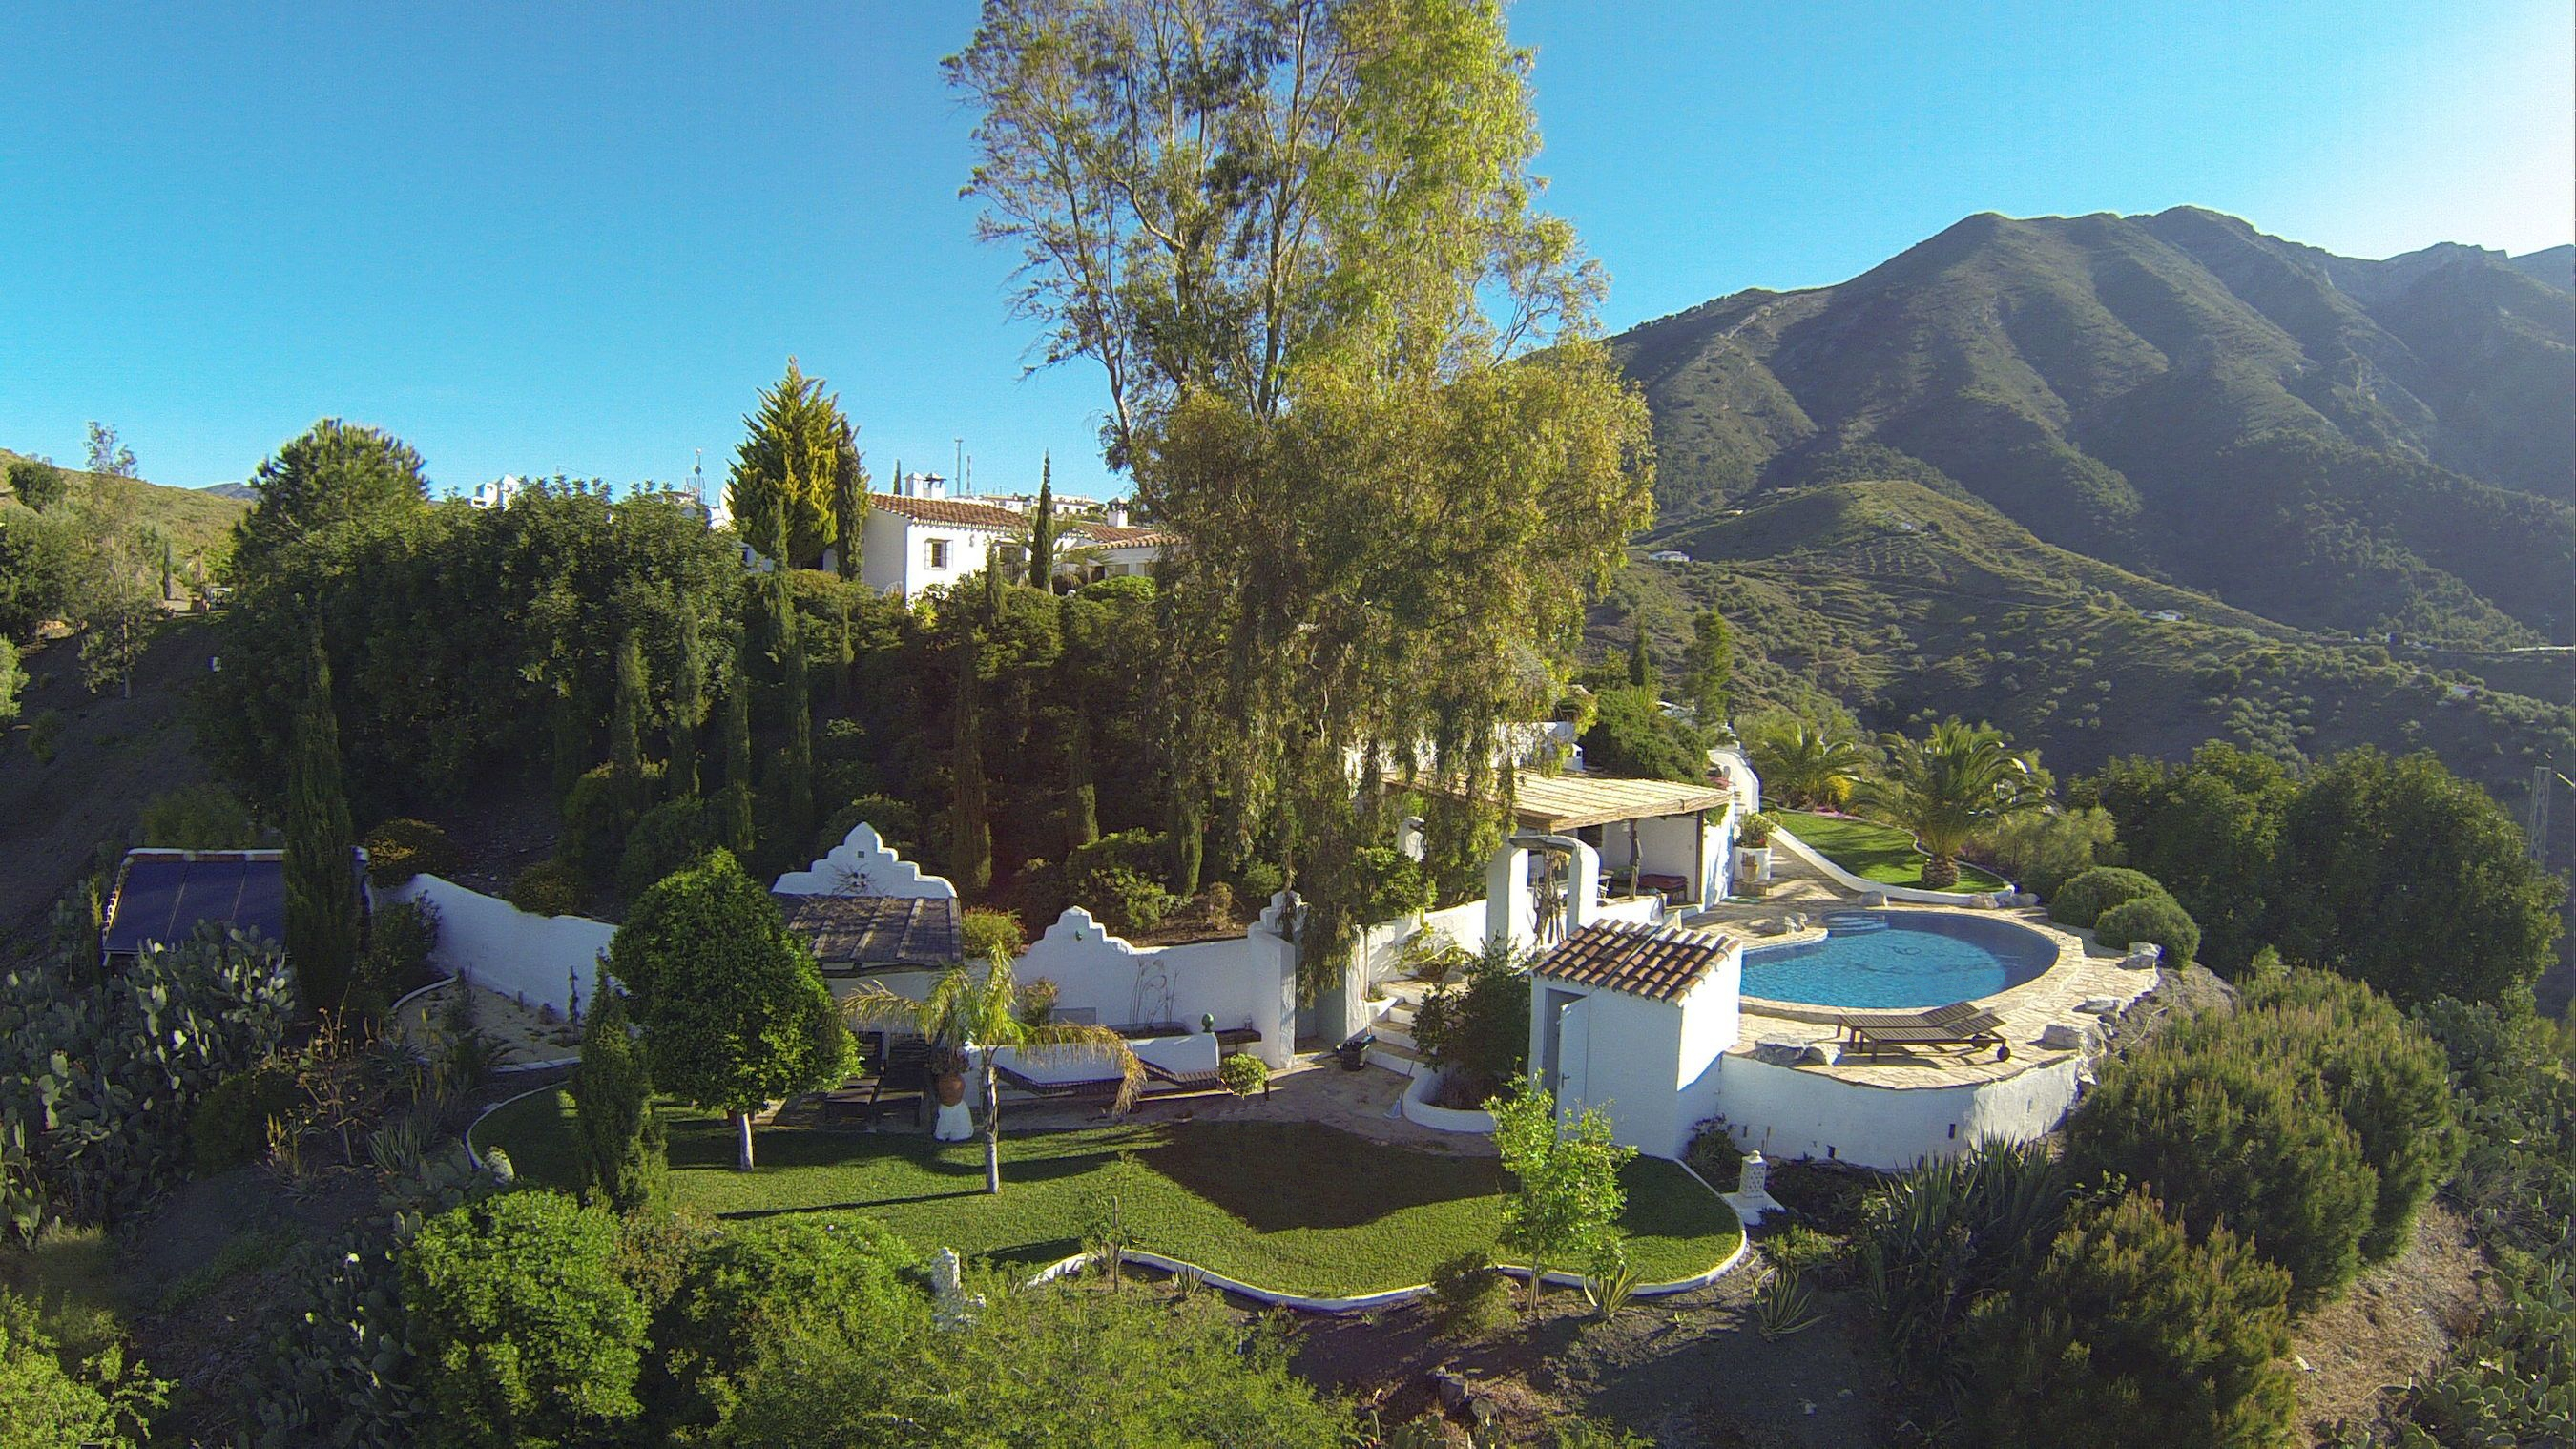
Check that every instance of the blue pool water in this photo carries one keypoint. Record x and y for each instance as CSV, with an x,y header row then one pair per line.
x,y
1892,960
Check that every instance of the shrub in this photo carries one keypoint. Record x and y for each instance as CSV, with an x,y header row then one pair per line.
x,y
1714,1155
1632,735
2135,1332
547,888
1243,1073
1391,883
230,1127
526,1332
706,1334
396,962
1257,881
1802,1250
1756,830
2083,899
2041,850
1138,852
1469,1299
2220,1133
108,1403
44,735
2156,918
897,824
1949,1233
1475,1031
663,839
2384,1075
1129,903
980,929
199,817
597,814
399,849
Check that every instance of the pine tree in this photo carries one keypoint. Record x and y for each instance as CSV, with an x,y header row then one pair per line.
x,y
1641,674
688,709
321,872
626,725
1042,532
970,849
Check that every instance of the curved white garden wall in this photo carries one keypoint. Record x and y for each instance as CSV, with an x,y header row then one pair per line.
x,y
1780,836
495,945
1793,1112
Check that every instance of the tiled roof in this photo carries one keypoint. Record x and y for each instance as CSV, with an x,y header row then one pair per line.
x,y
1109,537
951,510
1658,964
867,931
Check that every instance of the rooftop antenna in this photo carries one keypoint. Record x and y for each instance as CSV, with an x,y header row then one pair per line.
x,y
960,473
698,475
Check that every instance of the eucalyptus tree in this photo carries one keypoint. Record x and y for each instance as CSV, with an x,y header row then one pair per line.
x,y
1348,362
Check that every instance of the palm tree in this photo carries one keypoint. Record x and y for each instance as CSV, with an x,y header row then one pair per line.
x,y
967,1009
1806,763
1946,786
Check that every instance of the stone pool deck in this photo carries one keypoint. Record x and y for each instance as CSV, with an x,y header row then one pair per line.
x,y
2084,972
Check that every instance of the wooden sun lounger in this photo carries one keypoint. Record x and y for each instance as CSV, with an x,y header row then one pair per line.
x,y
1960,1024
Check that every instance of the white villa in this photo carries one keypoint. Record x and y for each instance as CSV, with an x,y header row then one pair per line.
x,y
918,537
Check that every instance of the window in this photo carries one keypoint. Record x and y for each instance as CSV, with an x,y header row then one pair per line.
x,y
939,553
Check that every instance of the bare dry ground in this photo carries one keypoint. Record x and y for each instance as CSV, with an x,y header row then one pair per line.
x,y
115,753
2397,1320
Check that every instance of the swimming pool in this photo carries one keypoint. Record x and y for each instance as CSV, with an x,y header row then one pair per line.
x,y
1889,960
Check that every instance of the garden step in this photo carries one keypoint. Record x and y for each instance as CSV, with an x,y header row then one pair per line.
x,y
1394,1058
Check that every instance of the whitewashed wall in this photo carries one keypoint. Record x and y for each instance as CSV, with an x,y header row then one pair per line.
x,y
1816,858
494,944
864,865
1789,1112
1245,981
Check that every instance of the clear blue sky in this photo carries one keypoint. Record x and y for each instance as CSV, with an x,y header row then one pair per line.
x,y
580,237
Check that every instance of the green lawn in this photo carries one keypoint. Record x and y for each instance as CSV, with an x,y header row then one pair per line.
x,y
1881,853
1294,1206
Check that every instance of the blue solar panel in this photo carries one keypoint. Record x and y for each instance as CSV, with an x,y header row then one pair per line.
x,y
164,898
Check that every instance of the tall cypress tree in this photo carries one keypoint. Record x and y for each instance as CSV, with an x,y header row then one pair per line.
x,y
626,725
1082,794
688,708
1042,532
846,656
732,804
321,873
970,837
849,517
1641,673
799,706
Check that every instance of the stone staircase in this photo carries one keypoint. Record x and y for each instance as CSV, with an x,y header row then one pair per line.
x,y
1395,1049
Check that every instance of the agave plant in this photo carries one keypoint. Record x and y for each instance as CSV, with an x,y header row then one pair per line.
x,y
1948,1233
1948,785
1784,1303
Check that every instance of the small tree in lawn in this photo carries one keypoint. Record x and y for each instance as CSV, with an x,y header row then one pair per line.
x,y
321,871
735,1011
970,1009
1566,1204
622,1153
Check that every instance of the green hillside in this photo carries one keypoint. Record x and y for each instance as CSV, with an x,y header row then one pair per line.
x,y
2372,447
1905,602
198,523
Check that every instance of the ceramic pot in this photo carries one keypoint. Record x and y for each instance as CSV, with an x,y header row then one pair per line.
x,y
950,1087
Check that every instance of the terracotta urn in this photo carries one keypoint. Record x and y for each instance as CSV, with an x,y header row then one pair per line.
x,y
950,1087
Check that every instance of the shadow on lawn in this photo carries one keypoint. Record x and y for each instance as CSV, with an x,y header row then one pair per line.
x,y
1278,1176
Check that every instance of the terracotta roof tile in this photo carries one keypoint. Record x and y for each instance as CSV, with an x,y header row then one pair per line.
x,y
1659,964
951,510
1107,536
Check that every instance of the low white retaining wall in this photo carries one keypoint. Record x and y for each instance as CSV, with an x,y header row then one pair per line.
x,y
497,946
1243,981
1781,837
1419,1111
1784,1112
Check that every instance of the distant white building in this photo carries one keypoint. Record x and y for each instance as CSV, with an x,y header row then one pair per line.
x,y
498,492
1668,555
915,539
